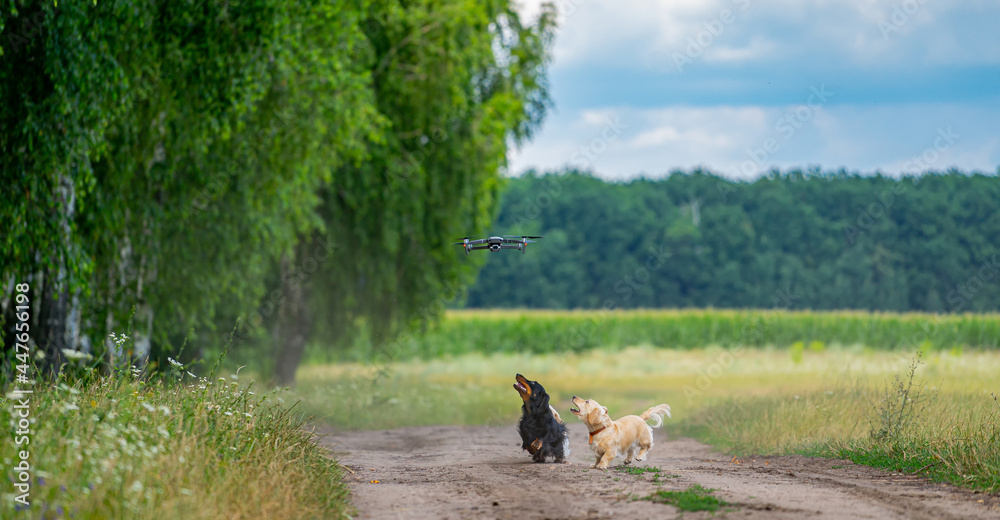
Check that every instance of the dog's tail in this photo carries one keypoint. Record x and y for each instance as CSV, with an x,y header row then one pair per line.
x,y
656,413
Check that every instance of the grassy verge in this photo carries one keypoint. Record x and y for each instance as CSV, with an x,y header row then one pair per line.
x,y
949,436
127,447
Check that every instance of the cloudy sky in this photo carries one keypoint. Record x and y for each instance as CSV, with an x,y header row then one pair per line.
x,y
643,87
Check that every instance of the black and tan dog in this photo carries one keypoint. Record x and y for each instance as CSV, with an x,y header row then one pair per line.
x,y
543,433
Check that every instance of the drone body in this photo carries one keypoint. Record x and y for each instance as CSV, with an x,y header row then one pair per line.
x,y
497,243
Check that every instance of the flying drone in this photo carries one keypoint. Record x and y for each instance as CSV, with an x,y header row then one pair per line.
x,y
497,243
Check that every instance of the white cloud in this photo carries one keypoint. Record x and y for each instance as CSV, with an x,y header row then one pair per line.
x,y
646,33
727,139
901,69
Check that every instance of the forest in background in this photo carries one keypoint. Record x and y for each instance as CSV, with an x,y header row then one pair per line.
x,y
792,240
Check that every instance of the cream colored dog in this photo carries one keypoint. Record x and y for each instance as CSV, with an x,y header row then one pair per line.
x,y
629,436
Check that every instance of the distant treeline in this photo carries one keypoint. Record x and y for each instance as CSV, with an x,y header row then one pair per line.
x,y
795,240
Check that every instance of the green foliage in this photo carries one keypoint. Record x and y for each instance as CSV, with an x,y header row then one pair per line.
x,y
159,161
694,498
798,348
456,83
797,240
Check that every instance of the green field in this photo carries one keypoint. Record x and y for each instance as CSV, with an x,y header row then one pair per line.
x,y
519,331
813,394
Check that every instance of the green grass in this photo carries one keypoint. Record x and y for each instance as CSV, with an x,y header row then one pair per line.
x,y
517,331
695,498
949,436
962,449
637,470
642,470
125,446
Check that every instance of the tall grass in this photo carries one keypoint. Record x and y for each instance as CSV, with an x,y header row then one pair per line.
x,y
498,331
950,436
128,446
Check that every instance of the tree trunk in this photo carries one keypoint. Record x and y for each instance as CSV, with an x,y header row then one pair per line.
x,y
294,323
50,336
53,333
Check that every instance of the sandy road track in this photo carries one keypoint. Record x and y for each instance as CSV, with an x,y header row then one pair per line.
x,y
455,472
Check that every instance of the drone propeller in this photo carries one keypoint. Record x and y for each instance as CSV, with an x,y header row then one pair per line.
x,y
521,236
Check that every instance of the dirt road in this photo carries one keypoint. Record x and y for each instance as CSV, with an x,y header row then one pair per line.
x,y
449,472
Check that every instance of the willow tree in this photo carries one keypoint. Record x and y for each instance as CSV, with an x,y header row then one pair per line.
x,y
158,158
458,83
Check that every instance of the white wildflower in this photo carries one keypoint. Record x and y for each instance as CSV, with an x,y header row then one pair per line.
x,y
16,394
174,362
148,407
